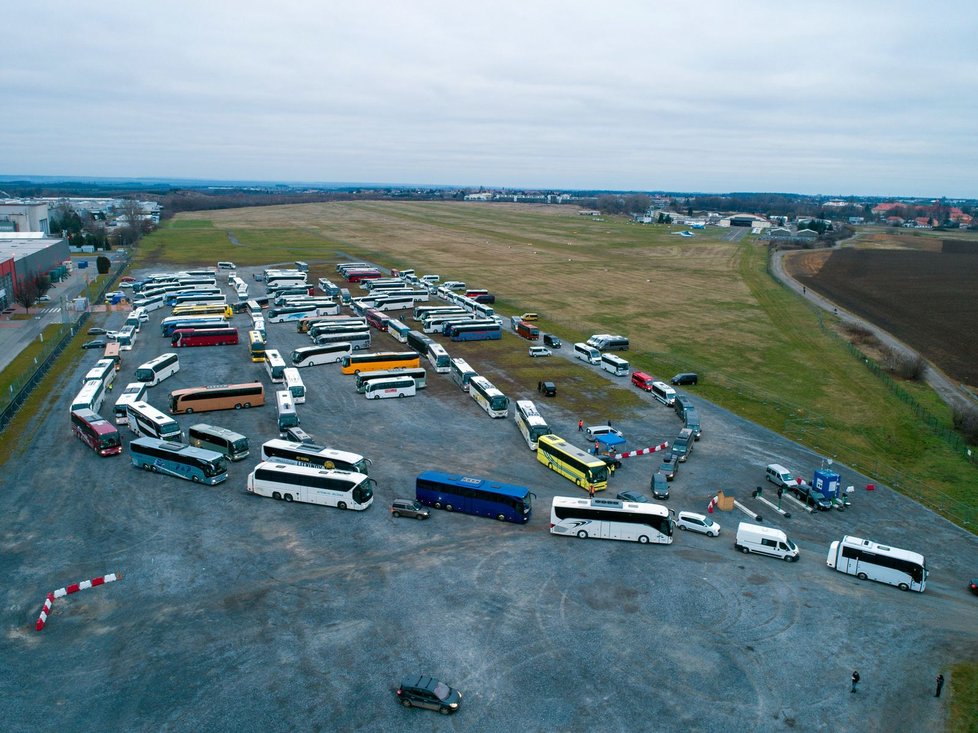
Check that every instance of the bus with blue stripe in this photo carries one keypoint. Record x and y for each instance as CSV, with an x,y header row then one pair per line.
x,y
470,495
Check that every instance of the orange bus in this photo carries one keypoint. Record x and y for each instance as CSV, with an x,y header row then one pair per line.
x,y
217,397
379,361
112,352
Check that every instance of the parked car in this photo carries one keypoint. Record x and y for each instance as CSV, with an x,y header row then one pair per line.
x,y
530,317
682,446
540,351
552,341
685,378
682,403
427,692
94,344
810,496
697,523
636,496
96,331
127,279
669,466
659,486
547,389
593,431
44,299
409,508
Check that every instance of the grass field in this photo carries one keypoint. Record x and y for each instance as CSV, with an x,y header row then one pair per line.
x,y
705,304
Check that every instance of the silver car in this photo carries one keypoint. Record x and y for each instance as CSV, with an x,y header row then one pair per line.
x,y
409,508
697,523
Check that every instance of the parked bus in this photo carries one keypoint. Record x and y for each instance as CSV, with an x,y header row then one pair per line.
x,y
113,354
398,330
490,399
467,320
214,309
587,353
419,375
277,279
419,342
482,310
871,561
527,330
90,396
180,460
256,346
392,386
356,276
615,365
204,337
530,422
475,332
310,454
461,373
294,384
230,444
287,313
146,420
306,356
193,297
572,463
342,267
472,292
306,325
610,519
439,358
156,370
471,495
323,329
420,311
253,307
328,287
356,340
275,365
378,361
96,432
438,322
217,397
172,323
340,489
225,265
286,414
376,318
150,302
104,371
133,392
126,338
399,302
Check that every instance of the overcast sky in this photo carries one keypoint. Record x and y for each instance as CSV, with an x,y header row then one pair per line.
x,y
810,97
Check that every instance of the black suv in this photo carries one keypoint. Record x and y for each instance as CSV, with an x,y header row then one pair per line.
x,y
682,403
547,389
552,341
427,692
685,378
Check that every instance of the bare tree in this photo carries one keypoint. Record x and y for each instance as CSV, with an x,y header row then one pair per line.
x,y
30,288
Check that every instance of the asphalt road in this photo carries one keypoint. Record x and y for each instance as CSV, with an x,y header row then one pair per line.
x,y
242,613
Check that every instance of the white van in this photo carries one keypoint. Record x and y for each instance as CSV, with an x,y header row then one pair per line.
x,y
664,393
587,353
765,541
779,475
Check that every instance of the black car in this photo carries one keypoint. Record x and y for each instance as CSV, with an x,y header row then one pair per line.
x,y
635,496
427,692
669,466
682,403
659,485
96,331
94,344
552,341
547,389
685,378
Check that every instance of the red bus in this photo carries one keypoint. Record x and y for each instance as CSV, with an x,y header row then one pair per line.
x,y
377,319
204,337
96,432
355,276
527,330
471,293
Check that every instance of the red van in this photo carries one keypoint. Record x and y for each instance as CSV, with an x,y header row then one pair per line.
x,y
642,381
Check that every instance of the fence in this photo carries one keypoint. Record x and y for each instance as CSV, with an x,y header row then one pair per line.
x,y
19,394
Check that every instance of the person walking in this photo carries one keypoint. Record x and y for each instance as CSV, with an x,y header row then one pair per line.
x,y
580,426
590,491
855,680
940,684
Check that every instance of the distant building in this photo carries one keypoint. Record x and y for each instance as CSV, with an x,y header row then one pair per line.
x,y
779,233
483,196
24,255
806,235
24,215
745,220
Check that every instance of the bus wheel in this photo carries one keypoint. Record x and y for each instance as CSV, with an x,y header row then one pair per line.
x,y
582,534
189,411
437,505
237,406
501,517
147,467
288,497
903,586
449,508
643,540
342,505
247,405
861,576
276,495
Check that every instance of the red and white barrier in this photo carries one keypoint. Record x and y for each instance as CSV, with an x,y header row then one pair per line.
x,y
45,610
642,451
68,590
85,584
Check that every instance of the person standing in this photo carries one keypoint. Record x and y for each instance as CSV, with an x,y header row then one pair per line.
x,y
590,491
855,680
940,684
580,426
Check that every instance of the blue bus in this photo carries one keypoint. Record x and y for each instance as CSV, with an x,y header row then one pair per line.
x,y
479,496
180,460
475,332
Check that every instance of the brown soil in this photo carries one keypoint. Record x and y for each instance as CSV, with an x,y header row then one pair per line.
x,y
926,299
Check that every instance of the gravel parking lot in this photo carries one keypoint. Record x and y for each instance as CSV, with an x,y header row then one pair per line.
x,y
240,612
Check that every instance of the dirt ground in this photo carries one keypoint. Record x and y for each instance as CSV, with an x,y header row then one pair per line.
x,y
926,299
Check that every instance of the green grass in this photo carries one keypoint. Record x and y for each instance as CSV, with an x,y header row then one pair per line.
x,y
963,714
703,304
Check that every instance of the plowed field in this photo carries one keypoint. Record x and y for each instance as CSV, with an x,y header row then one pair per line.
x,y
929,300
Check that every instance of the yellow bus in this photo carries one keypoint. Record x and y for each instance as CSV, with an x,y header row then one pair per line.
x,y
256,344
574,464
214,309
112,352
379,361
216,397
